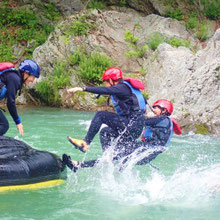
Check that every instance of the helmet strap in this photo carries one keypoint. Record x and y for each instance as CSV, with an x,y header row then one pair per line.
x,y
111,82
24,80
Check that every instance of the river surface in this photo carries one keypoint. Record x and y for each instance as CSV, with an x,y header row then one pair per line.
x,y
184,185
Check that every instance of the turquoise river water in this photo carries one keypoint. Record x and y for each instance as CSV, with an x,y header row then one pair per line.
x,y
186,186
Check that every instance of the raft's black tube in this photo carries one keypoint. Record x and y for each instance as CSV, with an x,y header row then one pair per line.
x,y
20,164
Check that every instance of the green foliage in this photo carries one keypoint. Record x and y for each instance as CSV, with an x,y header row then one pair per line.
x,y
13,17
199,28
61,75
48,90
175,14
155,40
212,9
131,53
95,4
208,8
146,95
142,71
77,57
90,66
191,2
101,101
192,22
202,32
171,3
123,3
139,51
80,26
176,42
129,37
18,25
45,91
51,11
202,129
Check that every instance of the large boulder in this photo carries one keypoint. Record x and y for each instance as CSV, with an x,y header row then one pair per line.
x,y
108,37
190,80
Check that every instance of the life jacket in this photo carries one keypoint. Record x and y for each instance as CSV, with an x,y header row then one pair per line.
x,y
160,134
176,127
4,68
134,103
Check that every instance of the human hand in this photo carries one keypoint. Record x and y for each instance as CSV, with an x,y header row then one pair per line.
x,y
20,129
74,90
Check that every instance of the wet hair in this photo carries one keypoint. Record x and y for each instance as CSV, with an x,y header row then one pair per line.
x,y
162,109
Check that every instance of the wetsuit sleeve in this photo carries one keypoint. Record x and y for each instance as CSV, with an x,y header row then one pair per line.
x,y
13,86
154,120
118,90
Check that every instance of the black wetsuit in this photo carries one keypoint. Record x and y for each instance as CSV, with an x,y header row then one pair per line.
x,y
161,134
127,126
13,82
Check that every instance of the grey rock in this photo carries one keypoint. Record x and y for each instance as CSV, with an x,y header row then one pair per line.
x,y
189,80
108,37
66,7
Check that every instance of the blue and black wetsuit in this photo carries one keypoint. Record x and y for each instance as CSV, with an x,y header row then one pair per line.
x,y
161,132
157,135
13,82
128,124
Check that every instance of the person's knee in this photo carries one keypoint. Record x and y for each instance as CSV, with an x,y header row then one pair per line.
x,y
104,132
100,114
105,139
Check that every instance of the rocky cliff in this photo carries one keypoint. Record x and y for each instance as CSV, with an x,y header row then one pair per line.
x,y
190,80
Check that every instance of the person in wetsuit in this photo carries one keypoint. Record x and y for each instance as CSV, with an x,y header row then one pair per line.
x,y
130,105
156,137
11,81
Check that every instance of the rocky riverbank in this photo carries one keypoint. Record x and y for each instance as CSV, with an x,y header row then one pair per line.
x,y
174,61
189,78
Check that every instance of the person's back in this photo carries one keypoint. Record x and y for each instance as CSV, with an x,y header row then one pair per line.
x,y
11,81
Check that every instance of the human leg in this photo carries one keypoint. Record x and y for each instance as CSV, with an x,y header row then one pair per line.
x,y
4,125
75,165
106,136
149,158
112,120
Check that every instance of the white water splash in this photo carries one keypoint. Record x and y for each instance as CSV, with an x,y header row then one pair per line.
x,y
184,187
191,184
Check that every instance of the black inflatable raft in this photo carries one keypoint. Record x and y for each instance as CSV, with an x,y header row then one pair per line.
x,y
22,167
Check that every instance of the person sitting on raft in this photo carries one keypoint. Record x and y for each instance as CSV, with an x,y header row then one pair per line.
x,y
130,106
11,81
156,137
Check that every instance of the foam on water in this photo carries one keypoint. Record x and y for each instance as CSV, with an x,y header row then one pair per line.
x,y
188,186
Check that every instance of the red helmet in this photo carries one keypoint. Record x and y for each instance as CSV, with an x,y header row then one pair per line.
x,y
163,103
113,73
